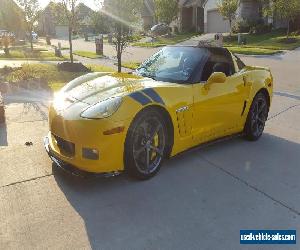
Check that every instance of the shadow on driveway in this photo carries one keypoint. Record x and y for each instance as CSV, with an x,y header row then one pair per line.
x,y
193,199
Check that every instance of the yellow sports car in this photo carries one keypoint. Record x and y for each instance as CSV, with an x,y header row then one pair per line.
x,y
179,98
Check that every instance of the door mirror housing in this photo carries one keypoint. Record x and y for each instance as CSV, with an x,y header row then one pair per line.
x,y
217,77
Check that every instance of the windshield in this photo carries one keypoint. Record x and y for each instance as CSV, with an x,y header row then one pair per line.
x,y
173,64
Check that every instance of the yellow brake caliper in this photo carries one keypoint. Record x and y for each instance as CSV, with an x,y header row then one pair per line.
x,y
155,144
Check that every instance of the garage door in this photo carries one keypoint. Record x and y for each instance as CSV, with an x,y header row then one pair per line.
x,y
216,22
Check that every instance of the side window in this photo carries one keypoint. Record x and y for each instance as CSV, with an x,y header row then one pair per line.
x,y
220,60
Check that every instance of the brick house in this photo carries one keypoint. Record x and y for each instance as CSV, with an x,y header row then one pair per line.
x,y
190,16
203,16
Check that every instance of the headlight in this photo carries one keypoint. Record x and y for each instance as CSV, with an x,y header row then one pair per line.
x,y
102,109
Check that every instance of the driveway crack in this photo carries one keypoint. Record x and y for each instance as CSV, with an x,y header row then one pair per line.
x,y
28,180
283,111
252,187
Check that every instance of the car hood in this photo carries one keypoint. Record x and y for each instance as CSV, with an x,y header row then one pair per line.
x,y
95,87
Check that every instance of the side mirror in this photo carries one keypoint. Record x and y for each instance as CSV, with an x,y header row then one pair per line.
x,y
217,77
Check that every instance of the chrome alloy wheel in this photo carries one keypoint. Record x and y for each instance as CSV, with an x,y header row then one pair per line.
x,y
259,116
148,145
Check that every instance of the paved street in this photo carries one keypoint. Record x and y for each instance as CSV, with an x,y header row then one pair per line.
x,y
133,54
199,200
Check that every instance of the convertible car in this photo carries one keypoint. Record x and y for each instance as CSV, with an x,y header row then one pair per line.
x,y
179,98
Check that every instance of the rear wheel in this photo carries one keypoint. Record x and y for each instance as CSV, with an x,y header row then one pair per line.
x,y
257,117
145,145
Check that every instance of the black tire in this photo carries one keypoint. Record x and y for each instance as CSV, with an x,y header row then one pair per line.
x,y
146,144
257,117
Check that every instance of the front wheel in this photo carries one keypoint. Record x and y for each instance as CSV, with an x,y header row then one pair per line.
x,y
145,146
257,117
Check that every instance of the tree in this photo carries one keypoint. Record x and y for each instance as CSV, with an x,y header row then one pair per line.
x,y
31,11
122,15
11,17
70,14
57,10
99,22
228,9
287,10
166,10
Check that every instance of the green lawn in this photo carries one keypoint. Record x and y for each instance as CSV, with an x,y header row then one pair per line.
x,y
27,54
49,72
252,51
272,41
163,41
130,65
88,54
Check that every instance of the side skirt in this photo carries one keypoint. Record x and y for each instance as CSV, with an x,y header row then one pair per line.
x,y
210,143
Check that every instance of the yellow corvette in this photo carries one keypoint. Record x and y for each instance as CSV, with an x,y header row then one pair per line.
x,y
177,99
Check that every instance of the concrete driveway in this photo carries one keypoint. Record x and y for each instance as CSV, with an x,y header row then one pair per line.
x,y
199,200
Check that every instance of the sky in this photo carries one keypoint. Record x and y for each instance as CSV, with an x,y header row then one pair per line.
x,y
90,3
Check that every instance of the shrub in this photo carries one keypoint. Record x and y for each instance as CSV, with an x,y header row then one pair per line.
x,y
252,27
261,28
230,39
241,26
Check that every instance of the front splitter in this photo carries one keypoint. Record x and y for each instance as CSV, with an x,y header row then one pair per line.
x,y
69,168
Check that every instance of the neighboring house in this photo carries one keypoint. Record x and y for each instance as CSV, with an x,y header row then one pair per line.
x,y
191,16
83,11
52,22
61,31
248,10
47,22
83,14
12,18
148,14
214,22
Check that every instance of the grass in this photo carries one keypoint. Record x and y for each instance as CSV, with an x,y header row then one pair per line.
x,y
87,54
49,73
130,65
274,40
252,51
99,68
26,54
164,41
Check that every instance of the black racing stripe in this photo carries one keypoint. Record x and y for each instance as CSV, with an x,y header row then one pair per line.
x,y
153,95
139,97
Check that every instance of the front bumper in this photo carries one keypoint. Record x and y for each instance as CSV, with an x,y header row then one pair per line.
x,y
74,140
69,168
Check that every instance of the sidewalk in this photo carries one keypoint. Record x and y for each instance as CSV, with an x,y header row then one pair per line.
x,y
130,54
194,41
105,62
17,63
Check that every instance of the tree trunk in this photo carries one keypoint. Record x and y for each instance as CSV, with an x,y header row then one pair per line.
x,y
288,30
119,56
6,51
230,24
30,39
71,44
